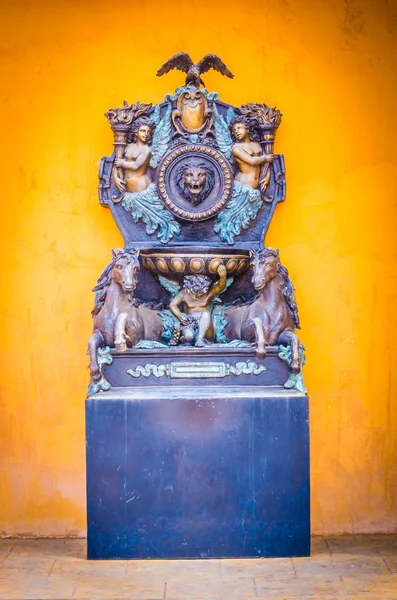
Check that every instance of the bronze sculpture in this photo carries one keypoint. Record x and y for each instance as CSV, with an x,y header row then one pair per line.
x,y
201,173
196,416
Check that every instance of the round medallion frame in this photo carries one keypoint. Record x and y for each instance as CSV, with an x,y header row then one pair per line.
x,y
195,150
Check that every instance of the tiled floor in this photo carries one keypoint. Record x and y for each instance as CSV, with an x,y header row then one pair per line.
x,y
340,567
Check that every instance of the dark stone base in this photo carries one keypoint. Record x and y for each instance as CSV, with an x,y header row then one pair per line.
x,y
197,472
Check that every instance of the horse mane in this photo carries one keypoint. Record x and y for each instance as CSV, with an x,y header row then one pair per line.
x,y
101,288
287,286
288,293
105,280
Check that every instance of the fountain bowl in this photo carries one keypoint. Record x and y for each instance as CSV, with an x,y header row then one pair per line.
x,y
176,263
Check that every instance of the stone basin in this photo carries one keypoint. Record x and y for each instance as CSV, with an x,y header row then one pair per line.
x,y
176,263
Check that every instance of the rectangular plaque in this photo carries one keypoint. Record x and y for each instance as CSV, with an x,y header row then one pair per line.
x,y
192,370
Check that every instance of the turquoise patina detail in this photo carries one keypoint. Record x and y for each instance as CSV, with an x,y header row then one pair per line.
x,y
242,208
148,370
246,368
234,344
194,370
223,135
161,135
294,381
190,88
169,322
149,344
146,205
220,322
170,285
102,385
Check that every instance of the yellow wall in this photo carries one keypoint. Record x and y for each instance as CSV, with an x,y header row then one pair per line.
x,y
328,65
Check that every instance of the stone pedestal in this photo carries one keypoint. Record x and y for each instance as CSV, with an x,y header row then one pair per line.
x,y
197,472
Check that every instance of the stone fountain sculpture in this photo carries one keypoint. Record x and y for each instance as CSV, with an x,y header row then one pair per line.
x,y
194,312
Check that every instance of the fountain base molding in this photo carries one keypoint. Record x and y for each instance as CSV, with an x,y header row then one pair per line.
x,y
197,472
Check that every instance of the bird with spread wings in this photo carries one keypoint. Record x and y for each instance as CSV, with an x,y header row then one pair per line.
x,y
184,63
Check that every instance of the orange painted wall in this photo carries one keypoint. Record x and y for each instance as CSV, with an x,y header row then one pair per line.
x,y
328,65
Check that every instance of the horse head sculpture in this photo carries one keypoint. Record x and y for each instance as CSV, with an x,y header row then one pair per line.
x,y
265,265
123,270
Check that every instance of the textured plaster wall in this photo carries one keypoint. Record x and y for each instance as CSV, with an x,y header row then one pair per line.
x,y
330,67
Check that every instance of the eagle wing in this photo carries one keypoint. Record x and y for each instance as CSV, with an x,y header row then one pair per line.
x,y
212,61
161,136
181,61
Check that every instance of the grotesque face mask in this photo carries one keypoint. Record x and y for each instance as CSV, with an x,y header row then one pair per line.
x,y
195,181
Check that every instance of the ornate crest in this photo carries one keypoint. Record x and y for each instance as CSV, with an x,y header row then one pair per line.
x,y
192,114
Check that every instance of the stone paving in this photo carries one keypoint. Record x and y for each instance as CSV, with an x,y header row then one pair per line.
x,y
360,566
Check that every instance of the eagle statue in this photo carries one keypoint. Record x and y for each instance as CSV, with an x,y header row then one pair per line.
x,y
183,62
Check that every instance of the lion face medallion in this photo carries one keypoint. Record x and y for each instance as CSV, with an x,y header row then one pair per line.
x,y
195,181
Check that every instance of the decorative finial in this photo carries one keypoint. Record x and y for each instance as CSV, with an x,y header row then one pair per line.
x,y
183,62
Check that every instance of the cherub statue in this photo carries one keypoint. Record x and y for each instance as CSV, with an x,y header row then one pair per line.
x,y
195,299
136,159
148,141
240,141
247,152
